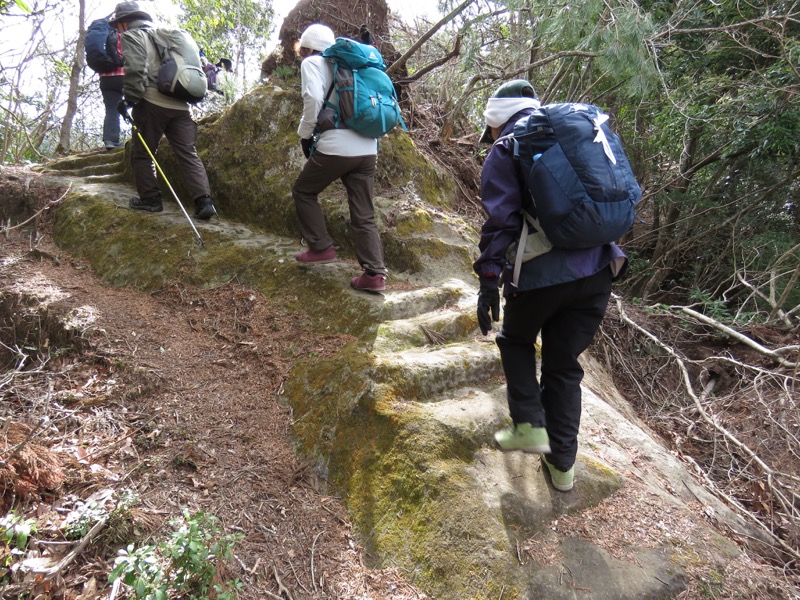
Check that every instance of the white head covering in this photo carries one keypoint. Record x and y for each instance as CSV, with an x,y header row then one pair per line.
x,y
317,37
510,98
500,110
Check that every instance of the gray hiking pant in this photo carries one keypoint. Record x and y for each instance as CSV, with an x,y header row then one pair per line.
x,y
357,173
181,131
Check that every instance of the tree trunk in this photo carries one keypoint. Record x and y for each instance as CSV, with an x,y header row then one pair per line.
x,y
74,80
661,261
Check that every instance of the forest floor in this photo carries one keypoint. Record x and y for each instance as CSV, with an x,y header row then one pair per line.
x,y
176,397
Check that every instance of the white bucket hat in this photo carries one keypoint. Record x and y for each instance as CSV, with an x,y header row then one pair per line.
x,y
317,37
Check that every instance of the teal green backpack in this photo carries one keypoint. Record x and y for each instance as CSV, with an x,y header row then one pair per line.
x,y
366,99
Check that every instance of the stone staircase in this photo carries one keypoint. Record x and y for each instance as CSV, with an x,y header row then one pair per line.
x,y
94,166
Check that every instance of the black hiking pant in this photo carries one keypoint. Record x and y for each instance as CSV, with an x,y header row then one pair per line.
x,y
181,132
567,315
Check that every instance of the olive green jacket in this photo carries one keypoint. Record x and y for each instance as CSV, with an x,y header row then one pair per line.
x,y
142,61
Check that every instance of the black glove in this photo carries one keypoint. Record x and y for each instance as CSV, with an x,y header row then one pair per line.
x,y
365,35
488,300
306,145
122,108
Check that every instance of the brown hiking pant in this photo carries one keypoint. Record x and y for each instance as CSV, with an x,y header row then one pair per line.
x,y
357,173
152,122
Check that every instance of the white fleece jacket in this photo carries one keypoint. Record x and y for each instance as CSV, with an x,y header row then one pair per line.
x,y
316,76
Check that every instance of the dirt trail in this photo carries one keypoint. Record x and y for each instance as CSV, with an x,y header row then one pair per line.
x,y
178,398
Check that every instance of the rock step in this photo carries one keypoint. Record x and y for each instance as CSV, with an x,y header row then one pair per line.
x,y
422,374
470,414
88,163
104,178
431,329
409,304
91,173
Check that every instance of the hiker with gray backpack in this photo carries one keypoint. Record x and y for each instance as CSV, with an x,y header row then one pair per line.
x,y
558,190
162,77
339,141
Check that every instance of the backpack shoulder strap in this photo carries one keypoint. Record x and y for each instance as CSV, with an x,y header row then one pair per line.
x,y
153,35
528,202
334,68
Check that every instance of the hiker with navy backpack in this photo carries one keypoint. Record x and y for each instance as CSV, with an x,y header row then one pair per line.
x,y
104,57
162,76
338,152
555,273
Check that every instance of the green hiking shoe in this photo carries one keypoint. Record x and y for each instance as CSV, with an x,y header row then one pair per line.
x,y
562,481
525,437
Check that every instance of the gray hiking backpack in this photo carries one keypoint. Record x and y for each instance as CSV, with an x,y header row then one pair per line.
x,y
181,73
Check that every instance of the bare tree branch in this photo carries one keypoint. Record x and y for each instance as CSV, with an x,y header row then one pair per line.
x,y
775,354
400,62
437,63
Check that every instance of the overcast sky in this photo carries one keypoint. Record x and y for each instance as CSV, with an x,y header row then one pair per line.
x,y
408,10
17,39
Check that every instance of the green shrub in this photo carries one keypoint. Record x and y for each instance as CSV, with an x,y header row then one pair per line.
x,y
15,532
186,562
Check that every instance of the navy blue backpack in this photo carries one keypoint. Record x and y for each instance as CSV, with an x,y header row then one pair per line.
x,y
101,47
583,190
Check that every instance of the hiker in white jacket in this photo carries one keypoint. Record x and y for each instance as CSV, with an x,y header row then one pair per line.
x,y
337,153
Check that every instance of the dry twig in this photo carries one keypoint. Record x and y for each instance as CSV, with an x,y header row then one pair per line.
x,y
282,589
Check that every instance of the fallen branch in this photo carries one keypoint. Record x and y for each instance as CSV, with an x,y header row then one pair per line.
x,y
313,576
775,354
433,336
73,554
47,206
282,589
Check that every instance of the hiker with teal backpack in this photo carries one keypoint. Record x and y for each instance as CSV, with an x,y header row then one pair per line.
x,y
162,76
556,277
336,147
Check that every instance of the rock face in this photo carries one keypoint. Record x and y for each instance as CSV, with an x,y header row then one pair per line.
x,y
343,17
400,422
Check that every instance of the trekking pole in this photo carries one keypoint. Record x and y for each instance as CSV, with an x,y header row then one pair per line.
x,y
129,120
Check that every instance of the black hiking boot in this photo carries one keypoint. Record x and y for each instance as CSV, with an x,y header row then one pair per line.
x,y
146,204
203,208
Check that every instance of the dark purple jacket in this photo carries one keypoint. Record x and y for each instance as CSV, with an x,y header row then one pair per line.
x,y
502,194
